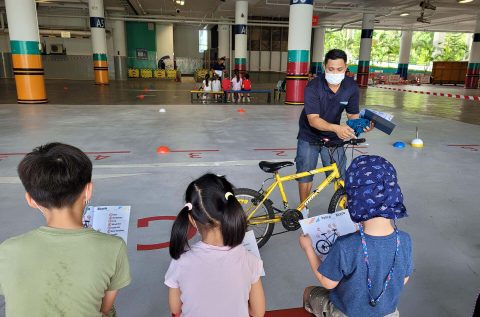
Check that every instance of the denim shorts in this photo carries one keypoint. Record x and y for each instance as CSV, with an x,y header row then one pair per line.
x,y
307,159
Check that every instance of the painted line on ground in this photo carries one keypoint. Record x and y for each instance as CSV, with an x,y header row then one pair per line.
x,y
431,93
186,164
88,153
16,180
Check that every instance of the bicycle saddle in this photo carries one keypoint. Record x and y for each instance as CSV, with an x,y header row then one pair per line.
x,y
272,167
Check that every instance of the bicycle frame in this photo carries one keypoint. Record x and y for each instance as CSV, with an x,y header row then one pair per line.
x,y
279,180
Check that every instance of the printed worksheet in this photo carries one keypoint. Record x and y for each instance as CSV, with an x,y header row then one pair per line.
x,y
325,229
250,243
113,220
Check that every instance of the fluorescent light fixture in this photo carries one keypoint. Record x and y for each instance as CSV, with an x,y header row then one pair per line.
x,y
464,1
180,2
404,14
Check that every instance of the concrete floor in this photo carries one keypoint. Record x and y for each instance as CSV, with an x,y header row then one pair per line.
x,y
439,182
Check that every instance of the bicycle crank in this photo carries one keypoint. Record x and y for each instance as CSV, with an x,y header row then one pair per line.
x,y
291,218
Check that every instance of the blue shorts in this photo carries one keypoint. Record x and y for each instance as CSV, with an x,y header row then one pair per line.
x,y
307,159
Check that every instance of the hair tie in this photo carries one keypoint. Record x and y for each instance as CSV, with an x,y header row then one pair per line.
x,y
228,194
189,206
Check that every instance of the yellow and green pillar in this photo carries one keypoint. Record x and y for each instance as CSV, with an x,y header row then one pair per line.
x,y
405,46
25,48
299,40
318,54
365,50
240,29
99,41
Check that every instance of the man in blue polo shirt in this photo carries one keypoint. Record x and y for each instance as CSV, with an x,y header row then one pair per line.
x,y
326,97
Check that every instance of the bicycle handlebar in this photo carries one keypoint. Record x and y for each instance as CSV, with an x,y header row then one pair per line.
x,y
339,143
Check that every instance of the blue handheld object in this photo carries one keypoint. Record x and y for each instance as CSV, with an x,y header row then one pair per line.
x,y
358,125
399,144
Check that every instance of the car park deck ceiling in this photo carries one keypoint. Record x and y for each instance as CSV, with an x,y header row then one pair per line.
x,y
449,15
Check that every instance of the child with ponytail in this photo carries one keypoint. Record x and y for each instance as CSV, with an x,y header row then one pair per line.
x,y
216,276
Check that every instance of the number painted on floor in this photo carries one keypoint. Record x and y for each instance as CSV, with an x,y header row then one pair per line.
x,y
145,223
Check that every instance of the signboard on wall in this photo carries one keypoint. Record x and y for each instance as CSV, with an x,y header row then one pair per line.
x,y
142,53
314,20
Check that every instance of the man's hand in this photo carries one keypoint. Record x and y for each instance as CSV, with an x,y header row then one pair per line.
x,y
344,132
372,126
305,242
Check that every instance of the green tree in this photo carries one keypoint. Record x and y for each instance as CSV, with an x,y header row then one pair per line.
x,y
385,46
347,40
422,48
453,49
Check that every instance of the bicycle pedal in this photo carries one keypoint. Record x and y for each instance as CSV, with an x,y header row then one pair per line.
x,y
291,218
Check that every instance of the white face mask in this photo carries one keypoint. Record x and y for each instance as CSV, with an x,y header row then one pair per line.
x,y
334,79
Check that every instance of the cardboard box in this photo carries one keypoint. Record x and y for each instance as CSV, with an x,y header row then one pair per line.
x,y
380,123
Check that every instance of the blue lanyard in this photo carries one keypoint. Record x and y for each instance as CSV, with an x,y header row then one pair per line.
x,y
373,301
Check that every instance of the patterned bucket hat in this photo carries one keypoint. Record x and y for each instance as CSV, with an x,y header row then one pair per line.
x,y
372,189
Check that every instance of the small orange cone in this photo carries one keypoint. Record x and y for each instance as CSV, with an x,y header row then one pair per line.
x,y
141,97
241,110
163,149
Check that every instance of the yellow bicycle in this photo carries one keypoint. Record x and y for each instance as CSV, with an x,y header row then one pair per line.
x,y
261,213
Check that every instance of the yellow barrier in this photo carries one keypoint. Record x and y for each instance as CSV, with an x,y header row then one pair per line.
x,y
171,73
146,73
133,73
159,73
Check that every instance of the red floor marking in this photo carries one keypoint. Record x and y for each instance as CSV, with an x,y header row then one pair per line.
x,y
193,151
194,154
278,152
101,157
470,147
144,223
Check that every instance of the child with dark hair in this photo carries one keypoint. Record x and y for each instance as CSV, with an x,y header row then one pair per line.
x,y
62,268
226,85
206,86
237,83
365,271
216,276
247,86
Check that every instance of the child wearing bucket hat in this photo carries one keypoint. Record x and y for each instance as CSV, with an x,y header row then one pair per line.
x,y
364,273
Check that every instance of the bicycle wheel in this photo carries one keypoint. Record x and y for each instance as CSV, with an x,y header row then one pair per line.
x,y
323,246
249,199
338,201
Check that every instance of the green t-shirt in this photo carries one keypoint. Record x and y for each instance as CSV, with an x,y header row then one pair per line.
x,y
50,272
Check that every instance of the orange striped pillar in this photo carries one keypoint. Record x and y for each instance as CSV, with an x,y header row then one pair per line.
x,y
26,58
99,41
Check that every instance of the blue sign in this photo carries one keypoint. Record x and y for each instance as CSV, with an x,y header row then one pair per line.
x,y
97,22
240,29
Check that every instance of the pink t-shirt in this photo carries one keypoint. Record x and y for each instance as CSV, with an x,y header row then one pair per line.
x,y
214,281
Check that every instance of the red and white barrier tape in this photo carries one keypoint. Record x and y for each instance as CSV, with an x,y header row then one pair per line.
x,y
431,93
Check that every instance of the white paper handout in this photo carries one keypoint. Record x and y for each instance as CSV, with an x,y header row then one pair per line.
x,y
250,243
113,220
325,229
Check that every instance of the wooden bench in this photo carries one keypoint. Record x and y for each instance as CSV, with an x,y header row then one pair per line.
x,y
194,95
256,91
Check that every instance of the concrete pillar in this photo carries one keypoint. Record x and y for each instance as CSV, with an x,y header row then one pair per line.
x,y
299,40
318,53
25,50
241,20
224,43
120,50
473,71
365,49
99,41
405,46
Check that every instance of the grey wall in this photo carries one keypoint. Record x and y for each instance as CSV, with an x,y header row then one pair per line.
x,y
185,41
